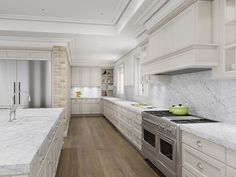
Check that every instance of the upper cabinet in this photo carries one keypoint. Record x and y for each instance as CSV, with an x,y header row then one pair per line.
x,y
86,77
225,11
184,42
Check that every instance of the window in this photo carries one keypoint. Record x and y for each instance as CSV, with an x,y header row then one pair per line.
x,y
138,84
120,79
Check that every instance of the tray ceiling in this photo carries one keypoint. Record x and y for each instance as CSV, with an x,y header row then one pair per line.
x,y
101,12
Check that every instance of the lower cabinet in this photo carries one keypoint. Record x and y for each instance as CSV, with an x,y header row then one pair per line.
x,y
50,161
203,158
126,121
86,106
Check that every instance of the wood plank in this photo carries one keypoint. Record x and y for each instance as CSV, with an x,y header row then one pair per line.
x,y
94,148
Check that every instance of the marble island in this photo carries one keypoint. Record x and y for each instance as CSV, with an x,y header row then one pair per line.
x,y
25,142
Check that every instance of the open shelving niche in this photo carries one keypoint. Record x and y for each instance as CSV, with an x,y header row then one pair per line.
x,y
107,82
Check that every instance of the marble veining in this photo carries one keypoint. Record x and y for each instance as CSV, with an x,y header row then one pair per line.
x,y
22,138
128,104
206,97
219,133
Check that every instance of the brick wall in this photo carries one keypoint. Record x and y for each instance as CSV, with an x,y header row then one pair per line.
x,y
61,82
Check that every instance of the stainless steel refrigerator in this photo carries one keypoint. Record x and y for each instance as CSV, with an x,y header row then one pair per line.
x,y
29,76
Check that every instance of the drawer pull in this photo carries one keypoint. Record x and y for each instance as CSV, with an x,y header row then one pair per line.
x,y
199,143
199,165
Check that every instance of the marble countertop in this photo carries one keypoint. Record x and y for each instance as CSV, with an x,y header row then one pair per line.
x,y
219,133
128,105
22,138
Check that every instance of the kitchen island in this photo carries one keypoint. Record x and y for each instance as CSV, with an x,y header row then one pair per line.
x,y
31,144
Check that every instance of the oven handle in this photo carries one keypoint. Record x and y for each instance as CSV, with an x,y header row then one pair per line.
x,y
150,121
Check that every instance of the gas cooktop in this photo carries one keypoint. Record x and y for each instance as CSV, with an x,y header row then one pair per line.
x,y
178,119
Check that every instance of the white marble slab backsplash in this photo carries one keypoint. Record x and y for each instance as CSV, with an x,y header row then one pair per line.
x,y
206,97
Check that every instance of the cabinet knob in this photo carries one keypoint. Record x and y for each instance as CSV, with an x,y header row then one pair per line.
x,y
199,165
199,143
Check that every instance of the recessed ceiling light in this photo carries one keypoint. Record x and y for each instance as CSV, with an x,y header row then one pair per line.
x,y
42,10
101,13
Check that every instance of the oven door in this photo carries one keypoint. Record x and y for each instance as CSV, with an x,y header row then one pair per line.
x,y
167,150
149,136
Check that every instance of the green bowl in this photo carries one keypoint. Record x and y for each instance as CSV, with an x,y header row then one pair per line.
x,y
179,110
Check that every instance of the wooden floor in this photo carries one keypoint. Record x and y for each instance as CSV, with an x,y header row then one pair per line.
x,y
94,148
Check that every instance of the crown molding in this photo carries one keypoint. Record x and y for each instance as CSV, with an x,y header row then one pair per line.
x,y
94,63
129,13
119,12
153,8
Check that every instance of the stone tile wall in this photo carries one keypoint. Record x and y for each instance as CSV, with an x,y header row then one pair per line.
x,y
61,82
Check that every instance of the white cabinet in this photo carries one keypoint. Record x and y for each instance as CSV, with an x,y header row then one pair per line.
x,y
225,12
211,149
95,77
200,164
86,106
86,77
184,42
203,158
126,121
75,76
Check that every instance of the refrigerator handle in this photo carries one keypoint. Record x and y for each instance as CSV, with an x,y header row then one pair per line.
x,y
14,93
19,92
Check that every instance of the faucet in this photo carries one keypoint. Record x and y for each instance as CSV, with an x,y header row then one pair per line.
x,y
13,106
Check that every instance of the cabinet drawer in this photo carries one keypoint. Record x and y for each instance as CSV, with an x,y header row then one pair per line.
x,y
231,158
200,164
186,173
230,172
205,146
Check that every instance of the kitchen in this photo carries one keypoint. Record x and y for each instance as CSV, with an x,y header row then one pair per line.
x,y
127,88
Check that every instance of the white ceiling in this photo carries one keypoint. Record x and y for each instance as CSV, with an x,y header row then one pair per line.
x,y
98,31
82,11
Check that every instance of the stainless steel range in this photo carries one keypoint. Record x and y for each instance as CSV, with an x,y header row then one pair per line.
x,y
161,139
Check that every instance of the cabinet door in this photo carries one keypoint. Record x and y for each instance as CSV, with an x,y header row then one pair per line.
x,y
76,108
49,163
85,107
7,80
95,108
76,76
185,28
200,164
186,173
42,172
85,77
95,77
